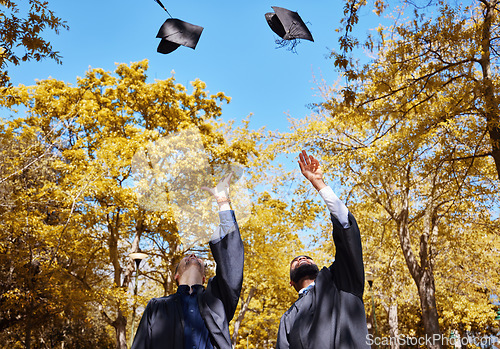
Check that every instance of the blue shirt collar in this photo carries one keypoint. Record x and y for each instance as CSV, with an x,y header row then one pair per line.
x,y
306,289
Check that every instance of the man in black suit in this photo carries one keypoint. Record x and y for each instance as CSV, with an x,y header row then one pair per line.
x,y
195,317
329,312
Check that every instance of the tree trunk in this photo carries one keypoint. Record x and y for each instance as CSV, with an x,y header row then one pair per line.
x,y
120,325
393,324
114,236
173,257
491,111
426,292
422,273
241,316
27,338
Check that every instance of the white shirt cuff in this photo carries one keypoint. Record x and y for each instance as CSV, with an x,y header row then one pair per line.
x,y
335,206
227,225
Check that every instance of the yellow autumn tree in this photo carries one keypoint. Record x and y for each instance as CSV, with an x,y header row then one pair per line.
x,y
443,50
435,74
410,172
42,258
92,131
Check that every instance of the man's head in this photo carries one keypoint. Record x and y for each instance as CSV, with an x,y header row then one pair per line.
x,y
190,271
302,268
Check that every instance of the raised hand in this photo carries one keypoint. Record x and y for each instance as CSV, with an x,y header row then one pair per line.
x,y
310,168
221,190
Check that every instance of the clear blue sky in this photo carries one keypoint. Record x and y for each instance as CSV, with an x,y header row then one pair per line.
x,y
236,53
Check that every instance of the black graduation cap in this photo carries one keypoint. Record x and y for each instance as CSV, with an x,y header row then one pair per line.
x,y
175,32
288,24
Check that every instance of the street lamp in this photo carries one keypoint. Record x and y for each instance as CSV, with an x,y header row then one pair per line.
x,y
370,278
137,257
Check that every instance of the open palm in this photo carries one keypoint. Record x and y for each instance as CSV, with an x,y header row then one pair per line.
x,y
309,166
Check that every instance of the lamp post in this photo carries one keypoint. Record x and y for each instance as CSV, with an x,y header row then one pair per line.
x,y
137,257
370,278
497,318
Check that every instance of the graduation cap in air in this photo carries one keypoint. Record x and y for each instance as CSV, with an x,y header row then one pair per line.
x,y
288,24
174,33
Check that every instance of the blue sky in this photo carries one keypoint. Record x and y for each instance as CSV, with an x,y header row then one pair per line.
x,y
236,53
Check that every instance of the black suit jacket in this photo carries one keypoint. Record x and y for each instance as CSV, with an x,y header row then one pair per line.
x,y
332,314
162,324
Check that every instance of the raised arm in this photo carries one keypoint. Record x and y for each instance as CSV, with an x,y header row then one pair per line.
x,y
347,270
312,171
221,194
227,249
